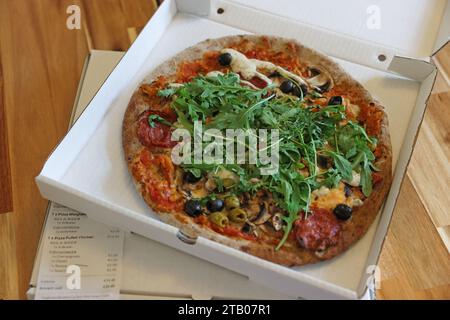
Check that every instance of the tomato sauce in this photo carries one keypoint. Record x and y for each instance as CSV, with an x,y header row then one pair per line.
x,y
376,178
228,231
150,93
372,117
190,69
232,232
158,172
257,82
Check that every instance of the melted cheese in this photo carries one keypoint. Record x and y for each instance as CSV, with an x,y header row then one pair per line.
x,y
353,109
214,73
240,63
325,198
356,179
272,68
248,67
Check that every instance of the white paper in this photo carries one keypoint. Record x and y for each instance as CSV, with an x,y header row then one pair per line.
x,y
81,258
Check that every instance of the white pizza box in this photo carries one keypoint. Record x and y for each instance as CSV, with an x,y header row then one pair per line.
x,y
87,172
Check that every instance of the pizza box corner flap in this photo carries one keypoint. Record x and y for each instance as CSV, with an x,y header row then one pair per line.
x,y
411,68
197,7
443,37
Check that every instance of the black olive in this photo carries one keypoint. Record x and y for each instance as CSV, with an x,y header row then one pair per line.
x,y
322,161
193,208
215,205
335,100
225,59
348,191
190,178
300,92
246,228
343,212
287,86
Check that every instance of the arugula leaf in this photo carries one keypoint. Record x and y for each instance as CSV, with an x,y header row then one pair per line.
x,y
366,178
166,92
343,166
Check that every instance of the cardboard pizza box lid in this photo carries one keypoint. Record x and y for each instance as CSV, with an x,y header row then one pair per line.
x,y
413,28
87,172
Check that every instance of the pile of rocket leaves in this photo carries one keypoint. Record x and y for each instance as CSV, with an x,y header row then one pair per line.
x,y
305,132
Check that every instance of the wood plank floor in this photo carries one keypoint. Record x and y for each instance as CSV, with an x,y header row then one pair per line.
x,y
40,65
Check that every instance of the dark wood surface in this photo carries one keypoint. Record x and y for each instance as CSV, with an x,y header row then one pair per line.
x,y
41,62
6,202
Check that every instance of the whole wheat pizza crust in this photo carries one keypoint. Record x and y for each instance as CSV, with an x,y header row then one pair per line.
x,y
289,255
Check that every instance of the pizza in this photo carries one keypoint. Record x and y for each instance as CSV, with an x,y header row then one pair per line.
x,y
261,144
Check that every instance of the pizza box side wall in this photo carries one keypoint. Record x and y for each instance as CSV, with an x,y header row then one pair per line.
x,y
50,187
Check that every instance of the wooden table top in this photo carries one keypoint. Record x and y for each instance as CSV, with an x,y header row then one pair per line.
x,y
40,67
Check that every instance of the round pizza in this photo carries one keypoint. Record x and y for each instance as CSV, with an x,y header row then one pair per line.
x,y
261,144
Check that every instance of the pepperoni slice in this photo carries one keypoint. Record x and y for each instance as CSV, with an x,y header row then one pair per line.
x,y
318,231
160,134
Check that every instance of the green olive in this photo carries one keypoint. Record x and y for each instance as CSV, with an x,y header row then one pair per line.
x,y
232,202
228,182
219,218
237,215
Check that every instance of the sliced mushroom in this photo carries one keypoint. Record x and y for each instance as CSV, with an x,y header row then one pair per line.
x,y
313,71
227,177
277,221
226,174
263,214
320,79
249,228
210,184
187,194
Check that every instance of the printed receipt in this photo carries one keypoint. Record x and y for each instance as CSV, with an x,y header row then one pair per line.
x,y
81,258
